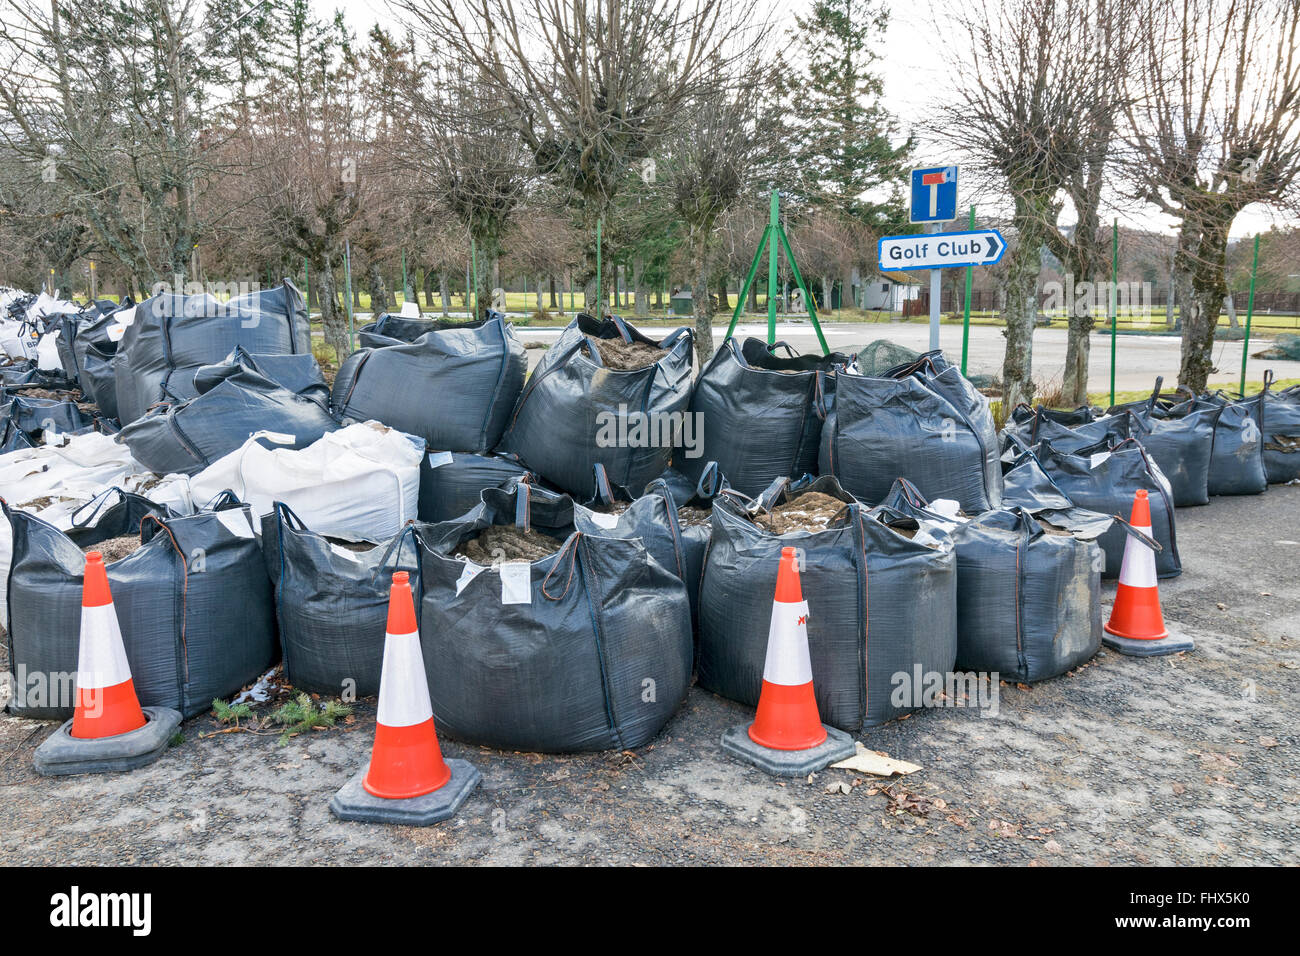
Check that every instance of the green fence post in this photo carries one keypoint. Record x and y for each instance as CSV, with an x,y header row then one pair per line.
x,y
347,289
1114,303
965,317
772,223
1250,313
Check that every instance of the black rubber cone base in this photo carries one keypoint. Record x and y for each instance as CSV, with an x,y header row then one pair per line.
x,y
788,763
63,753
1173,643
353,802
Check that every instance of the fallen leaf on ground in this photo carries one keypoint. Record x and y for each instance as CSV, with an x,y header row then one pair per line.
x,y
1268,741
838,787
876,764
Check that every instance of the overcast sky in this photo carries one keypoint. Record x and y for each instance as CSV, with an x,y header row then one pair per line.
x,y
914,79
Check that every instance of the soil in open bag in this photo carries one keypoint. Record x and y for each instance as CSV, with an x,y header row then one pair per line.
x,y
626,356
507,543
810,511
552,655
879,604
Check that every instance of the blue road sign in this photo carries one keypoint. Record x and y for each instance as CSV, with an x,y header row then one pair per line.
x,y
934,194
940,250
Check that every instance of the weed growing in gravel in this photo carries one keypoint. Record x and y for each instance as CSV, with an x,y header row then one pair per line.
x,y
301,714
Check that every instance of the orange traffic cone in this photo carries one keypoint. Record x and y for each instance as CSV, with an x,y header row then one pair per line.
x,y
109,730
787,717
1136,625
787,736
407,780
106,701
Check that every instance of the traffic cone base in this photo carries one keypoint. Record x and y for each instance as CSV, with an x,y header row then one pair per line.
x,y
787,737
63,754
407,780
1136,626
354,802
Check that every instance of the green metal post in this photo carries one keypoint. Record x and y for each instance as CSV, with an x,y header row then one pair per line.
x,y
965,315
473,259
773,224
1250,313
347,288
600,299
1114,303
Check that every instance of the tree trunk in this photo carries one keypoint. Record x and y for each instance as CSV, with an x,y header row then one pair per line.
x,y
641,297
428,287
1078,348
332,316
1025,263
1201,310
378,291
540,306
555,304
1231,308
702,305
827,286
444,292
724,304
751,305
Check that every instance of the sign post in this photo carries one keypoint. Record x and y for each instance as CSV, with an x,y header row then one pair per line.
x,y
934,201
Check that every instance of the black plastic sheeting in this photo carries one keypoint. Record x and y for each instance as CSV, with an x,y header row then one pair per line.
x,y
173,335
923,422
693,538
390,328
332,603
299,374
1028,595
760,413
597,657
34,416
1106,478
454,388
573,409
194,604
879,605
451,482
1067,430
94,352
188,437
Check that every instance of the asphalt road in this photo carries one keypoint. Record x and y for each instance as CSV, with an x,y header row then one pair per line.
x,y
1188,761
1140,358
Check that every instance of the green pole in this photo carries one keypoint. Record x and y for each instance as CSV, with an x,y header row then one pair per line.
x,y
1250,312
965,315
405,293
473,258
306,287
601,303
774,213
347,288
1114,303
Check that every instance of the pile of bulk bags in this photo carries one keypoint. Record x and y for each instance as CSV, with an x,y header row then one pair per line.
x,y
455,387
1280,412
450,482
882,598
576,413
171,336
760,413
194,603
924,422
588,648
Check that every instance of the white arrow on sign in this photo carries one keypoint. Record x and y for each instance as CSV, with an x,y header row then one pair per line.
x,y
941,250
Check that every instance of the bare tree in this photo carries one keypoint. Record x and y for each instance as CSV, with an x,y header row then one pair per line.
x,y
1214,127
1033,102
592,86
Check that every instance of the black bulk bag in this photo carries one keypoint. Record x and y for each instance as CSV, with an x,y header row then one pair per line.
x,y
35,415
390,328
331,603
1281,414
188,437
1028,589
451,483
592,653
454,388
924,422
299,374
575,413
1066,430
1237,456
693,537
1180,437
1106,478
761,413
93,350
880,604
172,336
194,603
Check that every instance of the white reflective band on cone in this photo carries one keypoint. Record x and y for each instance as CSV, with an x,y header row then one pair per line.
x,y
1138,569
787,660
403,686
101,658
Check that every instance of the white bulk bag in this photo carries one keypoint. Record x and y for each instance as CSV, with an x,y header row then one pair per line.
x,y
360,483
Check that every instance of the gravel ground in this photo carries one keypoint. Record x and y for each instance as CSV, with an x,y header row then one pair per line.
x,y
1188,760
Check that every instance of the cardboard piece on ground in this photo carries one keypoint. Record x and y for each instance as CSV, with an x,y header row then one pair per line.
x,y
877,764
